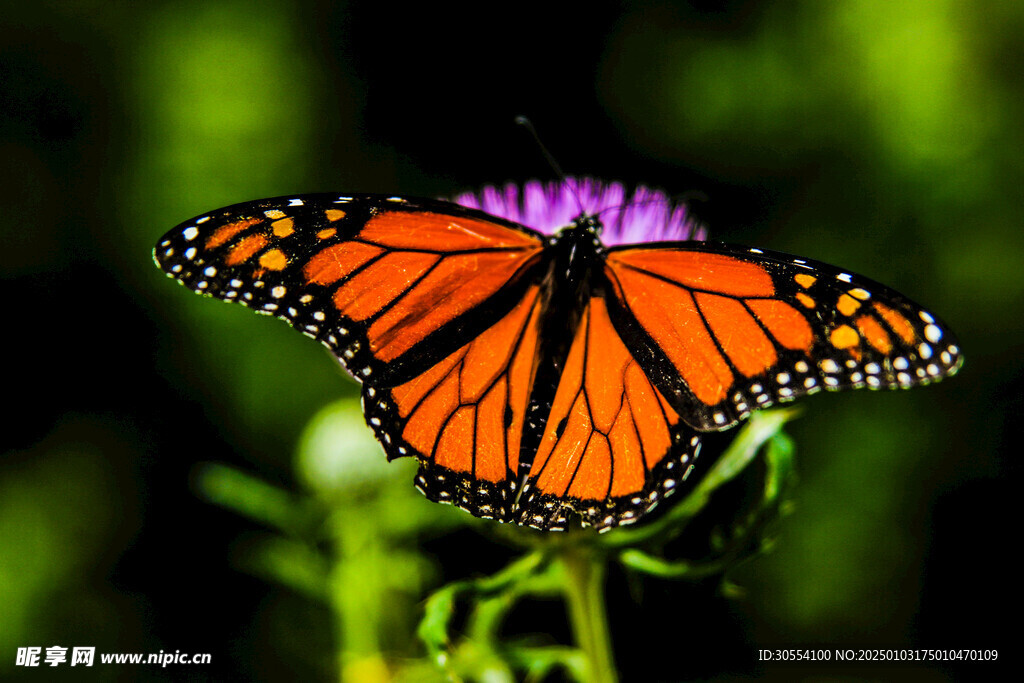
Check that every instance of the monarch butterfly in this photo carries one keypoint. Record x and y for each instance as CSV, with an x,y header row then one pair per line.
x,y
542,378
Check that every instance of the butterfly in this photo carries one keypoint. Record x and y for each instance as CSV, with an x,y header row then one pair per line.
x,y
541,379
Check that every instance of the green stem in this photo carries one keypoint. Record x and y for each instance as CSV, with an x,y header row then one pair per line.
x,y
584,592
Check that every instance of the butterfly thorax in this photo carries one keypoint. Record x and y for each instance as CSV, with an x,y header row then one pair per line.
x,y
574,251
574,256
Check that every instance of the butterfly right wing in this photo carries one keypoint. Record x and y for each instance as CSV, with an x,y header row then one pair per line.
x,y
612,446
726,330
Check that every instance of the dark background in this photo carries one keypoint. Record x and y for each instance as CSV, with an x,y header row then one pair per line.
x,y
882,137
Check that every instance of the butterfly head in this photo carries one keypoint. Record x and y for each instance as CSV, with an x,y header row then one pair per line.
x,y
576,248
584,227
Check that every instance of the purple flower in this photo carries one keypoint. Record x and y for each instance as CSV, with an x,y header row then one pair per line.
x,y
646,215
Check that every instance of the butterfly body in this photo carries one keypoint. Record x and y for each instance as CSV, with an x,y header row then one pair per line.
x,y
541,378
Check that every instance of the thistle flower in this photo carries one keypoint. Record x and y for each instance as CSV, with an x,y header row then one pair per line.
x,y
644,215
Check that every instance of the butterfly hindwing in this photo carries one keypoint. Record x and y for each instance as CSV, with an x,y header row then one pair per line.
x,y
727,330
463,418
612,446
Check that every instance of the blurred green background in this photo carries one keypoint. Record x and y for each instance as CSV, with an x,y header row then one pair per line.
x,y
884,137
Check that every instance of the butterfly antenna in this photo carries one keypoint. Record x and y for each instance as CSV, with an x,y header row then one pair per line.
x,y
528,125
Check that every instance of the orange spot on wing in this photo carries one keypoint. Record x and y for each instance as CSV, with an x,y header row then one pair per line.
x,y
336,262
874,333
847,305
844,337
742,340
788,325
283,227
432,231
245,248
807,301
274,259
225,233
334,214
805,280
897,322
327,232
700,270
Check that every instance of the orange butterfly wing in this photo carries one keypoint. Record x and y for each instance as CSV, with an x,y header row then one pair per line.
x,y
390,285
464,417
727,330
612,446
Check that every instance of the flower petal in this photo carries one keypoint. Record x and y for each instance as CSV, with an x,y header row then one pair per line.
x,y
645,215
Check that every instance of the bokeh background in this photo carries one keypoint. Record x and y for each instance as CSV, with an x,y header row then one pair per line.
x,y
884,137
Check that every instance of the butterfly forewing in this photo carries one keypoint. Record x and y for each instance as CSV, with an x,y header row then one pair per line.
x,y
388,284
728,330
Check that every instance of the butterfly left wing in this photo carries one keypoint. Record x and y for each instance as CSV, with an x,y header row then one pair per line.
x,y
464,417
390,285
433,307
726,330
